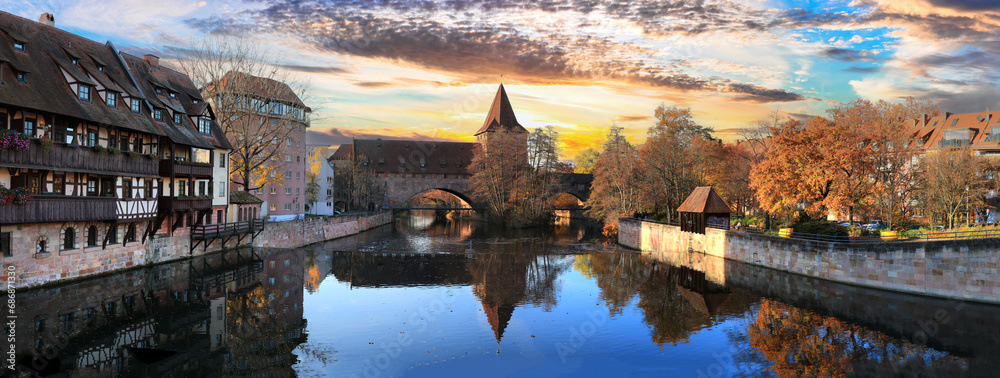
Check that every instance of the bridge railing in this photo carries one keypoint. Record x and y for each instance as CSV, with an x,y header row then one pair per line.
x,y
206,231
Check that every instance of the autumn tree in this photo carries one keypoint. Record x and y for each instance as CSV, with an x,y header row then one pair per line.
x,y
678,156
355,184
802,165
515,178
258,105
750,150
950,184
886,153
312,191
585,160
537,185
617,184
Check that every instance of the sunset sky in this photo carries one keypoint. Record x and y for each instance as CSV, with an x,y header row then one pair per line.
x,y
429,69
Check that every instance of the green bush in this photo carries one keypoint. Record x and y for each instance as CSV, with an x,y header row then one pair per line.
x,y
819,227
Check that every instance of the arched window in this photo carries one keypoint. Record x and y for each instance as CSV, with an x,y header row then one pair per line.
x,y
69,239
92,236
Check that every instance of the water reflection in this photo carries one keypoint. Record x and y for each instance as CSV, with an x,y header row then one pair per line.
x,y
471,299
236,313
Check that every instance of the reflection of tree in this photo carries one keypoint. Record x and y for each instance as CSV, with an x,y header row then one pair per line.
x,y
313,279
618,276
675,301
802,343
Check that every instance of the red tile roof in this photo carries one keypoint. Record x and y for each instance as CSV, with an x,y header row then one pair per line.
x,y
973,129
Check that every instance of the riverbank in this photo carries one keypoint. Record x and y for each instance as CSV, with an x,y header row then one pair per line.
x,y
63,266
959,269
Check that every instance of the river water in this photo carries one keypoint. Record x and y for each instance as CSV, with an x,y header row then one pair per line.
x,y
428,297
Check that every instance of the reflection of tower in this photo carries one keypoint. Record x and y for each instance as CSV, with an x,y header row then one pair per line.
x,y
500,284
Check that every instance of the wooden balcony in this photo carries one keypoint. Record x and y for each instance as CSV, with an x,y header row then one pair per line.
x,y
171,204
78,159
55,208
184,168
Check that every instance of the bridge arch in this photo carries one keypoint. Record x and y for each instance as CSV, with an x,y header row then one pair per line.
x,y
458,194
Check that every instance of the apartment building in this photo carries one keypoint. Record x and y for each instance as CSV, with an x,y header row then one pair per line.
x,y
267,122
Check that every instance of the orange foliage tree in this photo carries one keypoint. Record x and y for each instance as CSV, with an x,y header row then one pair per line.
x,y
617,180
678,156
805,164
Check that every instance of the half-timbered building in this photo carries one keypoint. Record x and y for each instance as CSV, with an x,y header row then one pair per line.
x,y
95,147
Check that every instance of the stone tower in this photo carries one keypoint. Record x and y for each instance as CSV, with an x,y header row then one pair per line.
x,y
501,118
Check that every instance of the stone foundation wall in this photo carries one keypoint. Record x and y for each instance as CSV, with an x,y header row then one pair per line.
x,y
307,231
962,269
33,269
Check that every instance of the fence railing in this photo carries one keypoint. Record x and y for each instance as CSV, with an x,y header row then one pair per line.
x,y
900,237
207,231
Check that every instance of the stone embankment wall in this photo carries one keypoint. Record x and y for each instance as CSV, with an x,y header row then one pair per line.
x,y
959,269
33,269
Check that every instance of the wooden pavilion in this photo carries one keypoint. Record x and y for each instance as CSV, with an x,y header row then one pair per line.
x,y
704,208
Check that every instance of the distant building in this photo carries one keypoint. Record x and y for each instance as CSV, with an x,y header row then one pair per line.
x,y
979,131
319,166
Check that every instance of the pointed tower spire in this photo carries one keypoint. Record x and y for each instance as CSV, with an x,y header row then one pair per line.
x,y
501,115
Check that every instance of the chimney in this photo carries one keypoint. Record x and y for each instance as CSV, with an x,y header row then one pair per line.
x,y
927,118
47,19
153,60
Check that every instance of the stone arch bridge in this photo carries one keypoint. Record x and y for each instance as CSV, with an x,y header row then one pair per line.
x,y
401,188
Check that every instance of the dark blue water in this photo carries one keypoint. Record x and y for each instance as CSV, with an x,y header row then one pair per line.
x,y
429,297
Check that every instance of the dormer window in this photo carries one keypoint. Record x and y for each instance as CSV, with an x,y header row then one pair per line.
x,y
195,101
19,46
112,100
159,91
76,62
135,106
21,77
204,125
173,95
158,114
83,92
100,68
177,118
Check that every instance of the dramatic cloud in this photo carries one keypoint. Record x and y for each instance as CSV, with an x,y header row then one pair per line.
x,y
420,68
483,39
